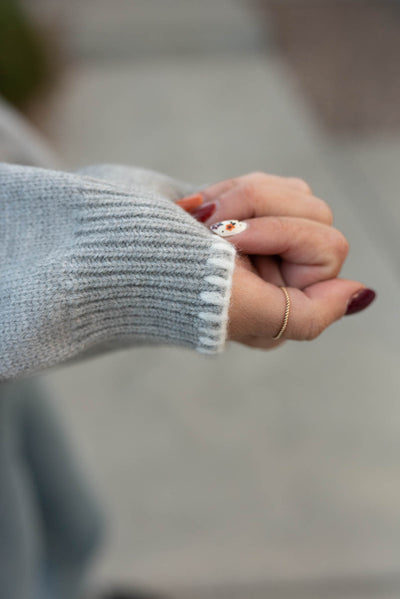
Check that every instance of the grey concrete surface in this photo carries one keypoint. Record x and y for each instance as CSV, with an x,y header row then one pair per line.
x,y
252,474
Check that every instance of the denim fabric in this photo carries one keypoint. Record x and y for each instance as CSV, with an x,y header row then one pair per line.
x,y
50,523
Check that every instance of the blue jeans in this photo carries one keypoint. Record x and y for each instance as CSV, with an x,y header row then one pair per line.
x,y
50,524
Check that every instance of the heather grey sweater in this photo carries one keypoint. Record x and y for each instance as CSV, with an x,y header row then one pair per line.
x,y
102,259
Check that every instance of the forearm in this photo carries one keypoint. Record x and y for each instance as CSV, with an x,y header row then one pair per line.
x,y
88,265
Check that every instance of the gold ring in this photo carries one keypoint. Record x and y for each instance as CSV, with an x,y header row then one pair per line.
x,y
286,316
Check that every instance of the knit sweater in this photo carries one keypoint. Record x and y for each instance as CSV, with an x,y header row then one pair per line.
x,y
103,259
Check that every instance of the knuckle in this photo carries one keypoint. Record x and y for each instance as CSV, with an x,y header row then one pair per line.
x,y
301,184
327,213
248,188
251,192
257,175
256,178
340,244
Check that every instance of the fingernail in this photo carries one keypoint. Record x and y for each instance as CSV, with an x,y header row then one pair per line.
x,y
204,212
359,301
190,202
226,228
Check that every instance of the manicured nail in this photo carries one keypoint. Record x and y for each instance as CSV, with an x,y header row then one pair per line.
x,y
204,212
359,301
226,228
190,202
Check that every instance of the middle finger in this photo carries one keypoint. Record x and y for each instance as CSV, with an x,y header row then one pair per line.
x,y
310,251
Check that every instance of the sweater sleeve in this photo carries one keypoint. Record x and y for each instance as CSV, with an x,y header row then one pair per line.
x,y
88,266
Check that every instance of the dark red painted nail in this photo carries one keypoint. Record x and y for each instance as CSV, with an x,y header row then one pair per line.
x,y
360,301
204,212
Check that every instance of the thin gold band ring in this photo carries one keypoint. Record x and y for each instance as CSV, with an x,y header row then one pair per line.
x,y
286,315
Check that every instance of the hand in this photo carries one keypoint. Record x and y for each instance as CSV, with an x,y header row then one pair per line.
x,y
288,241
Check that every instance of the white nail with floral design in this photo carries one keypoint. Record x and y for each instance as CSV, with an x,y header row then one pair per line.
x,y
226,228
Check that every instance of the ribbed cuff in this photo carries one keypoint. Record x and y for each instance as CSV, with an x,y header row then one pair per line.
x,y
142,271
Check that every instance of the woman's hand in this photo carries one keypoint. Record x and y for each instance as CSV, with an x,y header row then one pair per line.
x,y
287,239
257,307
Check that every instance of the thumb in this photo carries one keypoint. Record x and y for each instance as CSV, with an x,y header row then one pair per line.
x,y
316,307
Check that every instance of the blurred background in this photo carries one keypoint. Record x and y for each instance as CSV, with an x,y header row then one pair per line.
x,y
252,474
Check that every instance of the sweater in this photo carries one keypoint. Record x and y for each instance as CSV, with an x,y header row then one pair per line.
x,y
103,259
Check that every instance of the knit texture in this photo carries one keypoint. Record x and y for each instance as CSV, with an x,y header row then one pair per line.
x,y
87,265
